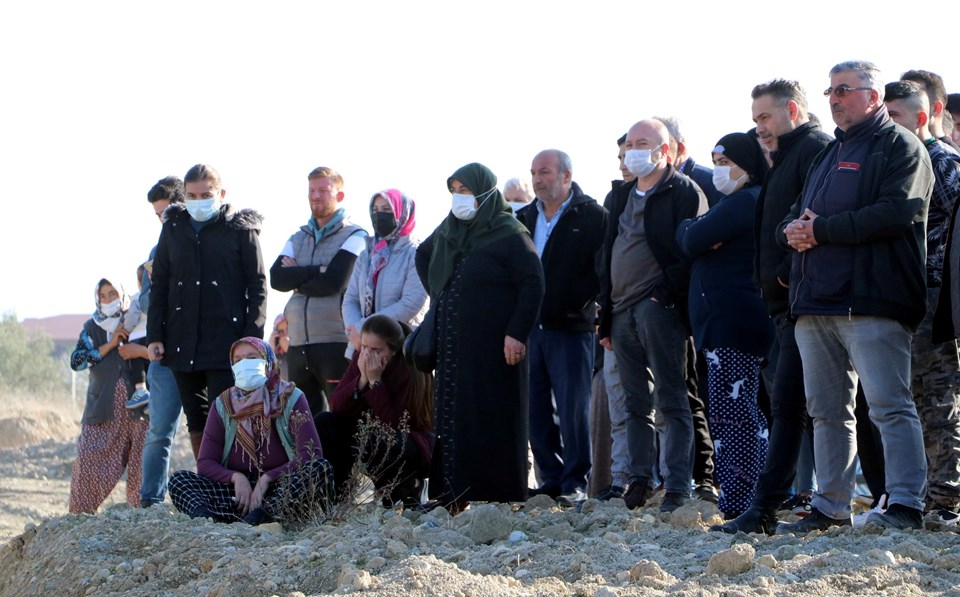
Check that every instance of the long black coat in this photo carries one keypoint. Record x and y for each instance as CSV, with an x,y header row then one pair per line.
x,y
482,402
209,289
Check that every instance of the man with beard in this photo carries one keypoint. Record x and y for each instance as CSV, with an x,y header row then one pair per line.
x,y
316,265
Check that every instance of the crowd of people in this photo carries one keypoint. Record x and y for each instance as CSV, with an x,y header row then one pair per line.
x,y
723,334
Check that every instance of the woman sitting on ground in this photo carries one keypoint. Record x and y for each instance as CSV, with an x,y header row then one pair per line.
x,y
381,382
260,458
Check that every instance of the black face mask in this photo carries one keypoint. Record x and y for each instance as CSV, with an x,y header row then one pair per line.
x,y
384,222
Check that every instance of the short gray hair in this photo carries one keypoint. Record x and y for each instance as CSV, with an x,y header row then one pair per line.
x,y
563,160
521,184
673,127
868,73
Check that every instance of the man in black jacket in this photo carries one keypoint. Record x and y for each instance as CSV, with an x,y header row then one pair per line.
x,y
784,129
567,228
858,290
643,319
209,290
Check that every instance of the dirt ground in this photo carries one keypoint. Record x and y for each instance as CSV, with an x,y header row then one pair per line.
x,y
490,549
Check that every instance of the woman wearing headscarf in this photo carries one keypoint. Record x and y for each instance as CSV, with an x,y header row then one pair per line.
x,y
482,272
111,439
260,458
731,327
384,280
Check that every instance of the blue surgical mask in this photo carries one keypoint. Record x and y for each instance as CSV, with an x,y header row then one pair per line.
x,y
202,210
250,374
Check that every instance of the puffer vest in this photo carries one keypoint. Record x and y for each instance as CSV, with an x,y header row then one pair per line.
x,y
317,319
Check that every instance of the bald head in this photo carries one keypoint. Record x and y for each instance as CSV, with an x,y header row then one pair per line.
x,y
653,131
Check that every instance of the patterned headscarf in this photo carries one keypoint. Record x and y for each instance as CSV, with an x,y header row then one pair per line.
x,y
110,323
404,210
255,410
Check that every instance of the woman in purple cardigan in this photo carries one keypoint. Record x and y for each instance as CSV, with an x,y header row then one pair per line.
x,y
260,459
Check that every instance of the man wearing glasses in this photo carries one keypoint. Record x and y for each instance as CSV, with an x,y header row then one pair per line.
x,y
858,290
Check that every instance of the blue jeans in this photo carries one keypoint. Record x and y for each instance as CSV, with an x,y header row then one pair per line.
x,y
561,364
836,351
165,411
617,405
649,343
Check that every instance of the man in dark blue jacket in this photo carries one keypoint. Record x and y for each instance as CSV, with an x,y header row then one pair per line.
x,y
858,290
567,228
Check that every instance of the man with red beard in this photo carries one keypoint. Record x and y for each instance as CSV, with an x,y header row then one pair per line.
x,y
316,265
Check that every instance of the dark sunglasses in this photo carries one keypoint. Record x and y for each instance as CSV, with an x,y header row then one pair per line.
x,y
843,90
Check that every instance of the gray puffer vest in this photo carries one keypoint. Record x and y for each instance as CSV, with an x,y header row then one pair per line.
x,y
317,319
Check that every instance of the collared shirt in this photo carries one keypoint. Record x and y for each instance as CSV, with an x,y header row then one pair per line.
x,y
541,234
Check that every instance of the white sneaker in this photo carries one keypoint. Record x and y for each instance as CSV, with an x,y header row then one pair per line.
x,y
860,520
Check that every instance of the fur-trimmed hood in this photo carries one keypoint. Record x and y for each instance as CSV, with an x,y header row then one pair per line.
x,y
243,219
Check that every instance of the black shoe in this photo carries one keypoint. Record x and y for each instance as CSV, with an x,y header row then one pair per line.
x,y
637,494
572,499
798,504
609,492
672,501
815,521
897,516
753,520
256,516
707,492
551,490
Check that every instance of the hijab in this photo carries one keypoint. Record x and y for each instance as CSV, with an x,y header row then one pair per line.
x,y
743,150
404,211
110,323
455,239
255,410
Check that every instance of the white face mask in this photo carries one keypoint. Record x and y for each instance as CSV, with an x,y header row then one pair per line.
x,y
721,179
463,207
110,309
639,162
250,374
202,210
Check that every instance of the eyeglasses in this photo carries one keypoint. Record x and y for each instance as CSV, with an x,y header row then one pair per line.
x,y
843,90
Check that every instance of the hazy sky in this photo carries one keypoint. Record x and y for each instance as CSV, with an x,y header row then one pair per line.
x,y
99,100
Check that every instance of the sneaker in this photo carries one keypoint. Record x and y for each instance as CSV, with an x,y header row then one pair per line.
x,y
897,516
945,516
551,490
815,521
572,499
798,504
672,501
637,494
139,399
753,520
609,492
860,520
707,492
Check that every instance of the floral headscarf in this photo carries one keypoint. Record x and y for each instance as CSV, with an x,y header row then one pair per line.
x,y
404,210
255,410
110,323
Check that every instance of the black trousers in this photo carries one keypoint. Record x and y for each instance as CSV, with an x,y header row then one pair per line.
x,y
395,461
703,466
198,390
788,408
316,369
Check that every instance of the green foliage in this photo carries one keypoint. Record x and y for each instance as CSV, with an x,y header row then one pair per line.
x,y
27,363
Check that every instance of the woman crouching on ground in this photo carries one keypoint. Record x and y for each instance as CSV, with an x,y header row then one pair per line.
x,y
260,459
381,382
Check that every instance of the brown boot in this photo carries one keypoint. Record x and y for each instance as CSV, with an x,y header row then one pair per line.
x,y
195,438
